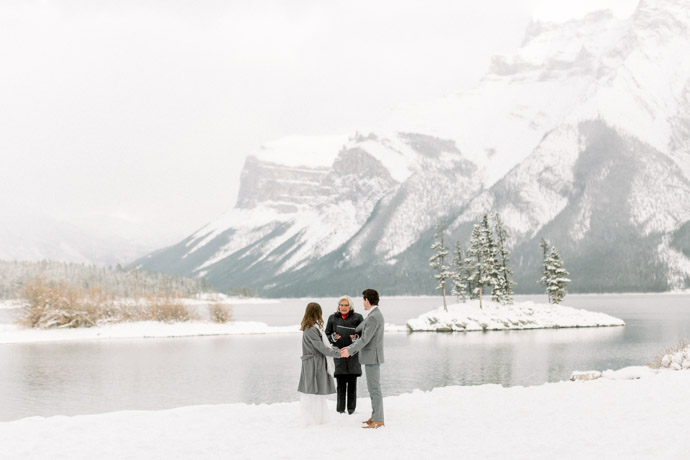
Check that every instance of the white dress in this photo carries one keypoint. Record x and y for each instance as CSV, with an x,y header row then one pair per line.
x,y
314,408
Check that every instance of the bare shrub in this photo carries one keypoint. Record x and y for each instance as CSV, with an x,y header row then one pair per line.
x,y
675,357
55,304
168,308
220,312
58,305
132,312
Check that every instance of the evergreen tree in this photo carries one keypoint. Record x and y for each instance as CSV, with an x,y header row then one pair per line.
x,y
491,257
468,275
438,262
560,277
555,278
480,263
544,273
459,274
504,271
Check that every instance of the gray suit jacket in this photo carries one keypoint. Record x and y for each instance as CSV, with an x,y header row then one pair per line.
x,y
370,342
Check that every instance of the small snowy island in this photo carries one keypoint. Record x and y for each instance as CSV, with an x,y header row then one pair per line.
x,y
493,316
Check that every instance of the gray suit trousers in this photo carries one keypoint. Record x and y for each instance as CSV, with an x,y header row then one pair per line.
x,y
373,373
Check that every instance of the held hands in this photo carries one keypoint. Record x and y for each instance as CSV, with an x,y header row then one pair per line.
x,y
344,353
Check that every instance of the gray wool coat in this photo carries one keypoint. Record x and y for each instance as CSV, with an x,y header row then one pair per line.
x,y
314,379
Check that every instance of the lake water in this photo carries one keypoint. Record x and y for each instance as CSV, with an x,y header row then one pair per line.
x,y
84,377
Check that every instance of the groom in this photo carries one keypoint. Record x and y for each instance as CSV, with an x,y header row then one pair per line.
x,y
370,344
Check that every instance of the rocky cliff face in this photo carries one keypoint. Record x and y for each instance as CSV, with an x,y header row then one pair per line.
x,y
581,137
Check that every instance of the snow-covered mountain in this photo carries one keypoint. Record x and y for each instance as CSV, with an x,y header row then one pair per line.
x,y
581,137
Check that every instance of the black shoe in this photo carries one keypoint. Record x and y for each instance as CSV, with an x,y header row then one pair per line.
x,y
350,412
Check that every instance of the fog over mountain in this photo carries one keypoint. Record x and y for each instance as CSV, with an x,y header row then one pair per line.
x,y
581,137
29,233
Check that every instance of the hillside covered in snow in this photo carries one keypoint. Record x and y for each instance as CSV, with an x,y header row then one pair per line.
x,y
581,137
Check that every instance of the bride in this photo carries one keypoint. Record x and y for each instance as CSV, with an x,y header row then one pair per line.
x,y
316,379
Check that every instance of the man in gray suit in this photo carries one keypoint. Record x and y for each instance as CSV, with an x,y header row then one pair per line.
x,y
370,347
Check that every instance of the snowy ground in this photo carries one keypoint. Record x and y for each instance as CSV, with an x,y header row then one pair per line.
x,y
10,333
607,418
677,359
632,413
460,317
521,315
13,333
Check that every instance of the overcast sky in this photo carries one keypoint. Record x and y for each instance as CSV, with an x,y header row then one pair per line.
x,y
138,115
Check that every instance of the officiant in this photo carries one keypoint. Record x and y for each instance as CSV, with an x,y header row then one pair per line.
x,y
340,329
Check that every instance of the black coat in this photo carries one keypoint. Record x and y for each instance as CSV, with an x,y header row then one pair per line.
x,y
344,365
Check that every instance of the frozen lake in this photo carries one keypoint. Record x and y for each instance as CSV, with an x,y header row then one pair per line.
x,y
101,376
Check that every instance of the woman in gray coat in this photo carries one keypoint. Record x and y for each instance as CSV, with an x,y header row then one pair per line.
x,y
316,378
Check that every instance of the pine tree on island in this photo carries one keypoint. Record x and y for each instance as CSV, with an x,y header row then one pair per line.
x,y
545,273
560,277
482,272
502,255
555,276
459,274
485,263
437,262
467,275
491,255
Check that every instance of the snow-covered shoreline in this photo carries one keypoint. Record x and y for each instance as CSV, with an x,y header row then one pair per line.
x,y
11,333
610,418
463,317
136,330
466,317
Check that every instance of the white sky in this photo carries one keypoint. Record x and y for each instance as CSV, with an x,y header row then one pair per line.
x,y
137,115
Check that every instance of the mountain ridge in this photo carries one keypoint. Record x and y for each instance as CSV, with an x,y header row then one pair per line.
x,y
573,138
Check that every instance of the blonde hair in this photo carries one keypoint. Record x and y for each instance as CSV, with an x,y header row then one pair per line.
x,y
349,301
312,315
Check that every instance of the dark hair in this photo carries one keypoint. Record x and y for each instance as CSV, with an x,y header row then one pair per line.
x,y
312,315
371,295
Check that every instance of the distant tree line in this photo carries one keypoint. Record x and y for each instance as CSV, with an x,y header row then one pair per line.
x,y
241,291
484,265
112,280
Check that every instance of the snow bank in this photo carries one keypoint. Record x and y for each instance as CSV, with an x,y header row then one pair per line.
x,y
677,359
10,333
627,373
12,304
521,315
612,419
